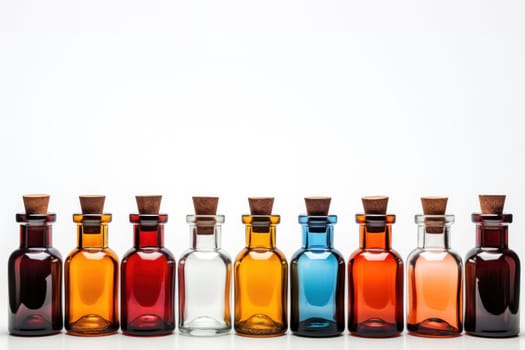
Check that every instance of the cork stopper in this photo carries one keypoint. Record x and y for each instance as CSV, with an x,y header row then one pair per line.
x,y
148,204
36,203
492,203
261,205
317,206
375,205
205,205
92,204
434,206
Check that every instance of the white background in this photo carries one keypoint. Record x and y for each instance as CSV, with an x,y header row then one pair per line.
x,y
239,98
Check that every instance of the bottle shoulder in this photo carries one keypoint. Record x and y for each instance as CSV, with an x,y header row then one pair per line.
x,y
434,256
261,254
491,254
148,254
92,254
41,254
317,254
376,254
212,254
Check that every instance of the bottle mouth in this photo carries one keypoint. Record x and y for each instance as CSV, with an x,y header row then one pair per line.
x,y
492,219
317,219
375,220
92,219
205,220
36,219
148,219
434,220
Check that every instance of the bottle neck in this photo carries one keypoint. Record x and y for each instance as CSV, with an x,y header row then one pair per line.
x,y
260,236
318,231
35,235
433,240
148,230
148,236
207,239
492,236
92,230
375,237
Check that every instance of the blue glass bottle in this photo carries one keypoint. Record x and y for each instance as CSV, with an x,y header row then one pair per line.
x,y
317,276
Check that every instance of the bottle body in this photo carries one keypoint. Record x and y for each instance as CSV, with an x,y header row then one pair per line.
x,y
91,281
492,281
317,309
375,281
435,285
148,280
204,292
261,282
35,280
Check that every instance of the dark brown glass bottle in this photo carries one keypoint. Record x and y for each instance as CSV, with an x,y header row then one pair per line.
x,y
492,277
35,274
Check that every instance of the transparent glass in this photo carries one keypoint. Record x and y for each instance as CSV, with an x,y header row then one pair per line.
x,y
261,281
205,280
91,279
492,280
148,280
435,282
375,280
317,309
35,279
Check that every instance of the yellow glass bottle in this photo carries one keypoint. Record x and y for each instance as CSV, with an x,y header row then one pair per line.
x,y
261,276
91,274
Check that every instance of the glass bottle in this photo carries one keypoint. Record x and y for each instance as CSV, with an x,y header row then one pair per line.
x,y
91,274
375,278
205,275
492,279
148,274
261,273
317,309
35,274
435,282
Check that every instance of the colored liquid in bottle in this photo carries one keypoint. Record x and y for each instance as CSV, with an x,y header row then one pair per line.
x,y
317,309
34,278
492,281
261,283
375,281
148,280
91,280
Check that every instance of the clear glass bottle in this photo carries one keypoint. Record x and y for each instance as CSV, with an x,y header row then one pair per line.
x,y
205,278
435,282
492,280
317,309
148,275
35,274
91,275
261,276
375,277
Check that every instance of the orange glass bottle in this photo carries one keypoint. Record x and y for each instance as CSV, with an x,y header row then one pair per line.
x,y
91,274
375,275
435,279
261,276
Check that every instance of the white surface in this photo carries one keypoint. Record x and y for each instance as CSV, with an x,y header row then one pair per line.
x,y
238,98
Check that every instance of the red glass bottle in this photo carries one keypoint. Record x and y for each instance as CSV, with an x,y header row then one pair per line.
x,y
375,275
492,275
35,274
148,275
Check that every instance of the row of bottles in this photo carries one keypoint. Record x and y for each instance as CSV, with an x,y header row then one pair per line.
x,y
435,275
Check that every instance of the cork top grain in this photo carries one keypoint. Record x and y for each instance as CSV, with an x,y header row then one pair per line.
x,y
434,205
375,205
491,203
92,204
149,204
261,205
36,203
205,205
317,206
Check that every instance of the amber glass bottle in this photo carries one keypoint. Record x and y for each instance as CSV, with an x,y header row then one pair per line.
x,y
375,275
91,274
435,280
492,275
35,274
261,276
148,275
